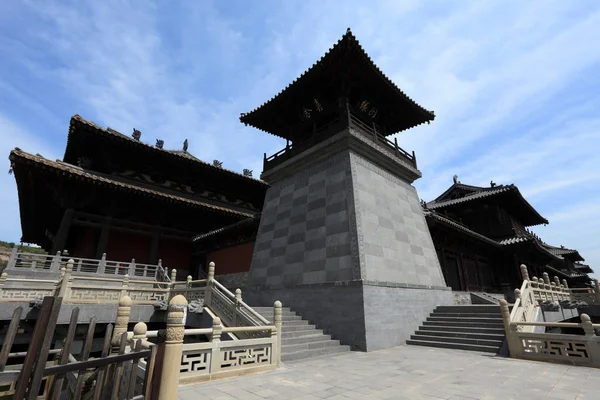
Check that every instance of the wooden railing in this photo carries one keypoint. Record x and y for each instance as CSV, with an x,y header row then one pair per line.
x,y
24,262
318,135
57,374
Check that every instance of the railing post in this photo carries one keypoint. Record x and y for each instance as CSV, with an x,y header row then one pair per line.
x,y
565,283
209,278
123,313
102,265
173,275
3,280
189,281
139,333
546,281
125,286
132,267
597,290
55,264
12,260
524,272
64,284
238,294
517,296
215,338
586,323
277,321
557,281
173,349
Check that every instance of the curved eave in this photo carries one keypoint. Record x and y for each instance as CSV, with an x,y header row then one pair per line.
x,y
77,120
18,156
459,228
535,217
346,43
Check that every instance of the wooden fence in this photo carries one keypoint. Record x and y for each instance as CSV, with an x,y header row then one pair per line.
x,y
39,376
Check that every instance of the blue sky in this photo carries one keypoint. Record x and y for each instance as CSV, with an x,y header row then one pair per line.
x,y
514,86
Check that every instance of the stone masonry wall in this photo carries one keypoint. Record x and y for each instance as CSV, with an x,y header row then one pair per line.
x,y
304,234
395,243
392,314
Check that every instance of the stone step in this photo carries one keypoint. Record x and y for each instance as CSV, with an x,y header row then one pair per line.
x,y
476,319
458,346
478,315
295,328
446,339
465,324
292,348
296,322
461,329
466,334
308,338
311,353
467,308
300,333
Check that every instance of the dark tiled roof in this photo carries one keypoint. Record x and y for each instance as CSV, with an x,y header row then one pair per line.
x,y
563,251
453,224
531,239
347,43
583,268
566,274
479,193
232,227
77,172
181,153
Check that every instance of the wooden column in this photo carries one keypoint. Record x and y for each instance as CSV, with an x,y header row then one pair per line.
x,y
103,240
154,246
63,231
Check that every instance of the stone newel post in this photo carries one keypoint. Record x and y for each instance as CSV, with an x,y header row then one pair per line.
x,y
588,327
66,277
123,313
209,278
597,290
173,349
524,272
278,321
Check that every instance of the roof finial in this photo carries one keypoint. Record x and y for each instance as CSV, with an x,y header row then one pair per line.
x,y
185,145
492,184
348,30
136,134
455,179
159,143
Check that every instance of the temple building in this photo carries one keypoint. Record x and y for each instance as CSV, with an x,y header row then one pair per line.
x,y
481,238
335,205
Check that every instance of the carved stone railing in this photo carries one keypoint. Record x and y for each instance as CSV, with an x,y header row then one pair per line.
x,y
213,359
24,263
84,289
555,347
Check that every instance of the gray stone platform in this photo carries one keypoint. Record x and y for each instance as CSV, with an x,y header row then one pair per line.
x,y
407,372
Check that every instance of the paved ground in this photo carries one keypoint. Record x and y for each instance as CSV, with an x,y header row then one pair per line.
x,y
408,372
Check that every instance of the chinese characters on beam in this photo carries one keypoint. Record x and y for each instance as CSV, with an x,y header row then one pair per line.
x,y
308,112
367,108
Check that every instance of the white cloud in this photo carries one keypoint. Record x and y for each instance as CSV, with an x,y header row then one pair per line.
x,y
491,71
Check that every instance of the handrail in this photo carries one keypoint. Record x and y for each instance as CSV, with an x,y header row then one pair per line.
x,y
245,306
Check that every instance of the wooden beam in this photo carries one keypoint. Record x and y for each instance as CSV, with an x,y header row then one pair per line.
x,y
63,231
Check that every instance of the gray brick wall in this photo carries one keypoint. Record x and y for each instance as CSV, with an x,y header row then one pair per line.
x,y
395,243
337,310
392,314
304,234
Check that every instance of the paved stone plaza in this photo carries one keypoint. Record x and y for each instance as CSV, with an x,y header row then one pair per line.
x,y
408,372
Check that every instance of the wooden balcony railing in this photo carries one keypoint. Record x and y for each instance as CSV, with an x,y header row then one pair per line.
x,y
326,131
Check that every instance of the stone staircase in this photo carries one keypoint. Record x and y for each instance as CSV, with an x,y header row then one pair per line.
x,y
301,340
465,327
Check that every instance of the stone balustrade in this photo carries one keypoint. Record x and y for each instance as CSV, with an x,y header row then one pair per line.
x,y
543,294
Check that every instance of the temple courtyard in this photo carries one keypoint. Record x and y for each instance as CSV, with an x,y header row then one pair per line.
x,y
408,372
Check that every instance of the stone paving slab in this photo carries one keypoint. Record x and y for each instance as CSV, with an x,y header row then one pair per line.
x,y
408,372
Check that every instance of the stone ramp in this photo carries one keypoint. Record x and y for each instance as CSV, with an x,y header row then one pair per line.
x,y
466,327
300,340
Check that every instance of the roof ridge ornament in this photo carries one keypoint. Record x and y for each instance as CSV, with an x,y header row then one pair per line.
x,y
455,179
136,134
159,144
185,145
